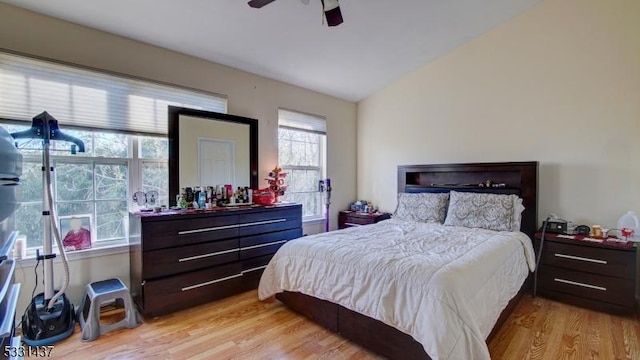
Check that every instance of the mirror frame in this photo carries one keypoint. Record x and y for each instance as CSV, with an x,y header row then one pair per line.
x,y
174,144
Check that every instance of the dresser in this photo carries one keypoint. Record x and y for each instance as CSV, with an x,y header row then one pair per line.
x,y
601,276
9,291
352,218
179,259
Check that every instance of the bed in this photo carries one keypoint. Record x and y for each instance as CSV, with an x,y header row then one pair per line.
x,y
405,288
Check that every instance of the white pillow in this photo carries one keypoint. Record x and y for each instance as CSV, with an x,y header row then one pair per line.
x,y
422,207
518,208
483,210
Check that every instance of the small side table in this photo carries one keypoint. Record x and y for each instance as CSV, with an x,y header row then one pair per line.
x,y
601,276
352,218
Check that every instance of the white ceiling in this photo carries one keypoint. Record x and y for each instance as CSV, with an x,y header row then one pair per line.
x,y
379,41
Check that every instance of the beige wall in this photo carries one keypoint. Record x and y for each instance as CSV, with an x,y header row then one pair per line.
x,y
191,129
248,95
559,84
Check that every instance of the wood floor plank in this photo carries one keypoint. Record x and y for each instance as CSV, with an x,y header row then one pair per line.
x,y
242,327
630,329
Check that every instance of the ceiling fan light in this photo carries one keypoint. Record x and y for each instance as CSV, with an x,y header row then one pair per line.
x,y
330,5
334,17
257,4
332,12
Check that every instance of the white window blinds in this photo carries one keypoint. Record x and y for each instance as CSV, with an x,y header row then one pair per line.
x,y
300,121
85,98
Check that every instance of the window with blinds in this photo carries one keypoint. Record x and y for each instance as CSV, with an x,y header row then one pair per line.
x,y
123,123
79,97
302,155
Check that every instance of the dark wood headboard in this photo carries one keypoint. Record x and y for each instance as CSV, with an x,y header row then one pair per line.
x,y
520,178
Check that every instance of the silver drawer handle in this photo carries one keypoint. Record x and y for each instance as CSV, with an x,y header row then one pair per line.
x,y
185,232
352,224
262,222
206,255
580,284
263,245
580,258
210,282
254,269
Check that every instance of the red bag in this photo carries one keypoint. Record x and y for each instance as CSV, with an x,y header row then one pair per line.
x,y
264,197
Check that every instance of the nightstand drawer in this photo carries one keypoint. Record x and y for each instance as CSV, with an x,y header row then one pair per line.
x,y
355,221
350,218
594,260
602,288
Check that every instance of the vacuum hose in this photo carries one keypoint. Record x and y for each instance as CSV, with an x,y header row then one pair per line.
x,y
56,235
535,274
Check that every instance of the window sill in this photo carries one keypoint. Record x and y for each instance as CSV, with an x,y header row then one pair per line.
x,y
81,254
313,220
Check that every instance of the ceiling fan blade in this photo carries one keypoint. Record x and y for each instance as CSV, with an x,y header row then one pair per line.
x,y
259,3
332,12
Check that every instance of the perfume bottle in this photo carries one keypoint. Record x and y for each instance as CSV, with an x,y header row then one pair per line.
x,y
202,198
182,202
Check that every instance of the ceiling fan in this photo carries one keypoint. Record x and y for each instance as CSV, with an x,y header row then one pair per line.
x,y
331,9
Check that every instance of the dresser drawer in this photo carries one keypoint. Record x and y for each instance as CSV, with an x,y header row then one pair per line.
x,y
595,260
166,295
278,220
176,260
261,250
166,234
257,263
289,212
252,270
270,237
597,287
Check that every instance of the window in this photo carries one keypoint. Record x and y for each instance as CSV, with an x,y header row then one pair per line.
x,y
123,123
90,99
95,182
153,173
302,155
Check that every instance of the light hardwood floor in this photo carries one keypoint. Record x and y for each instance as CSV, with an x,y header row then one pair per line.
x,y
241,327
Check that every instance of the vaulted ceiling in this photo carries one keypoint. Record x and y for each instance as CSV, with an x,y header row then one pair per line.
x,y
379,41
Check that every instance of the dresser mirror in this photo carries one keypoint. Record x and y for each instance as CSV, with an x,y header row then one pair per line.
x,y
208,148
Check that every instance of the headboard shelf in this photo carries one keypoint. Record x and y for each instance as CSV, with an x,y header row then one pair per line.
x,y
520,178
420,188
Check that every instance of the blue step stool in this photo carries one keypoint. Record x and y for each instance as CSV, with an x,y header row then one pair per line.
x,y
101,292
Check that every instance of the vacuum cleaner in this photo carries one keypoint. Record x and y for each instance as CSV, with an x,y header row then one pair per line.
x,y
50,316
325,186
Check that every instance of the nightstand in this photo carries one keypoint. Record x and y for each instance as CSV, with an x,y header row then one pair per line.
x,y
352,218
601,276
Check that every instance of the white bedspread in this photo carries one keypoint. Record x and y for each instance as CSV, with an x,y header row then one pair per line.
x,y
443,285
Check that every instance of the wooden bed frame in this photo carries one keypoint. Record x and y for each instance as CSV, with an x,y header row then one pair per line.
x,y
519,178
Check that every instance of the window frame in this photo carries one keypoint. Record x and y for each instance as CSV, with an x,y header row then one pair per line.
x,y
134,178
321,167
21,70
321,214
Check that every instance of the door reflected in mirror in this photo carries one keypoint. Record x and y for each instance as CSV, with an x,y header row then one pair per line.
x,y
213,152
208,149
